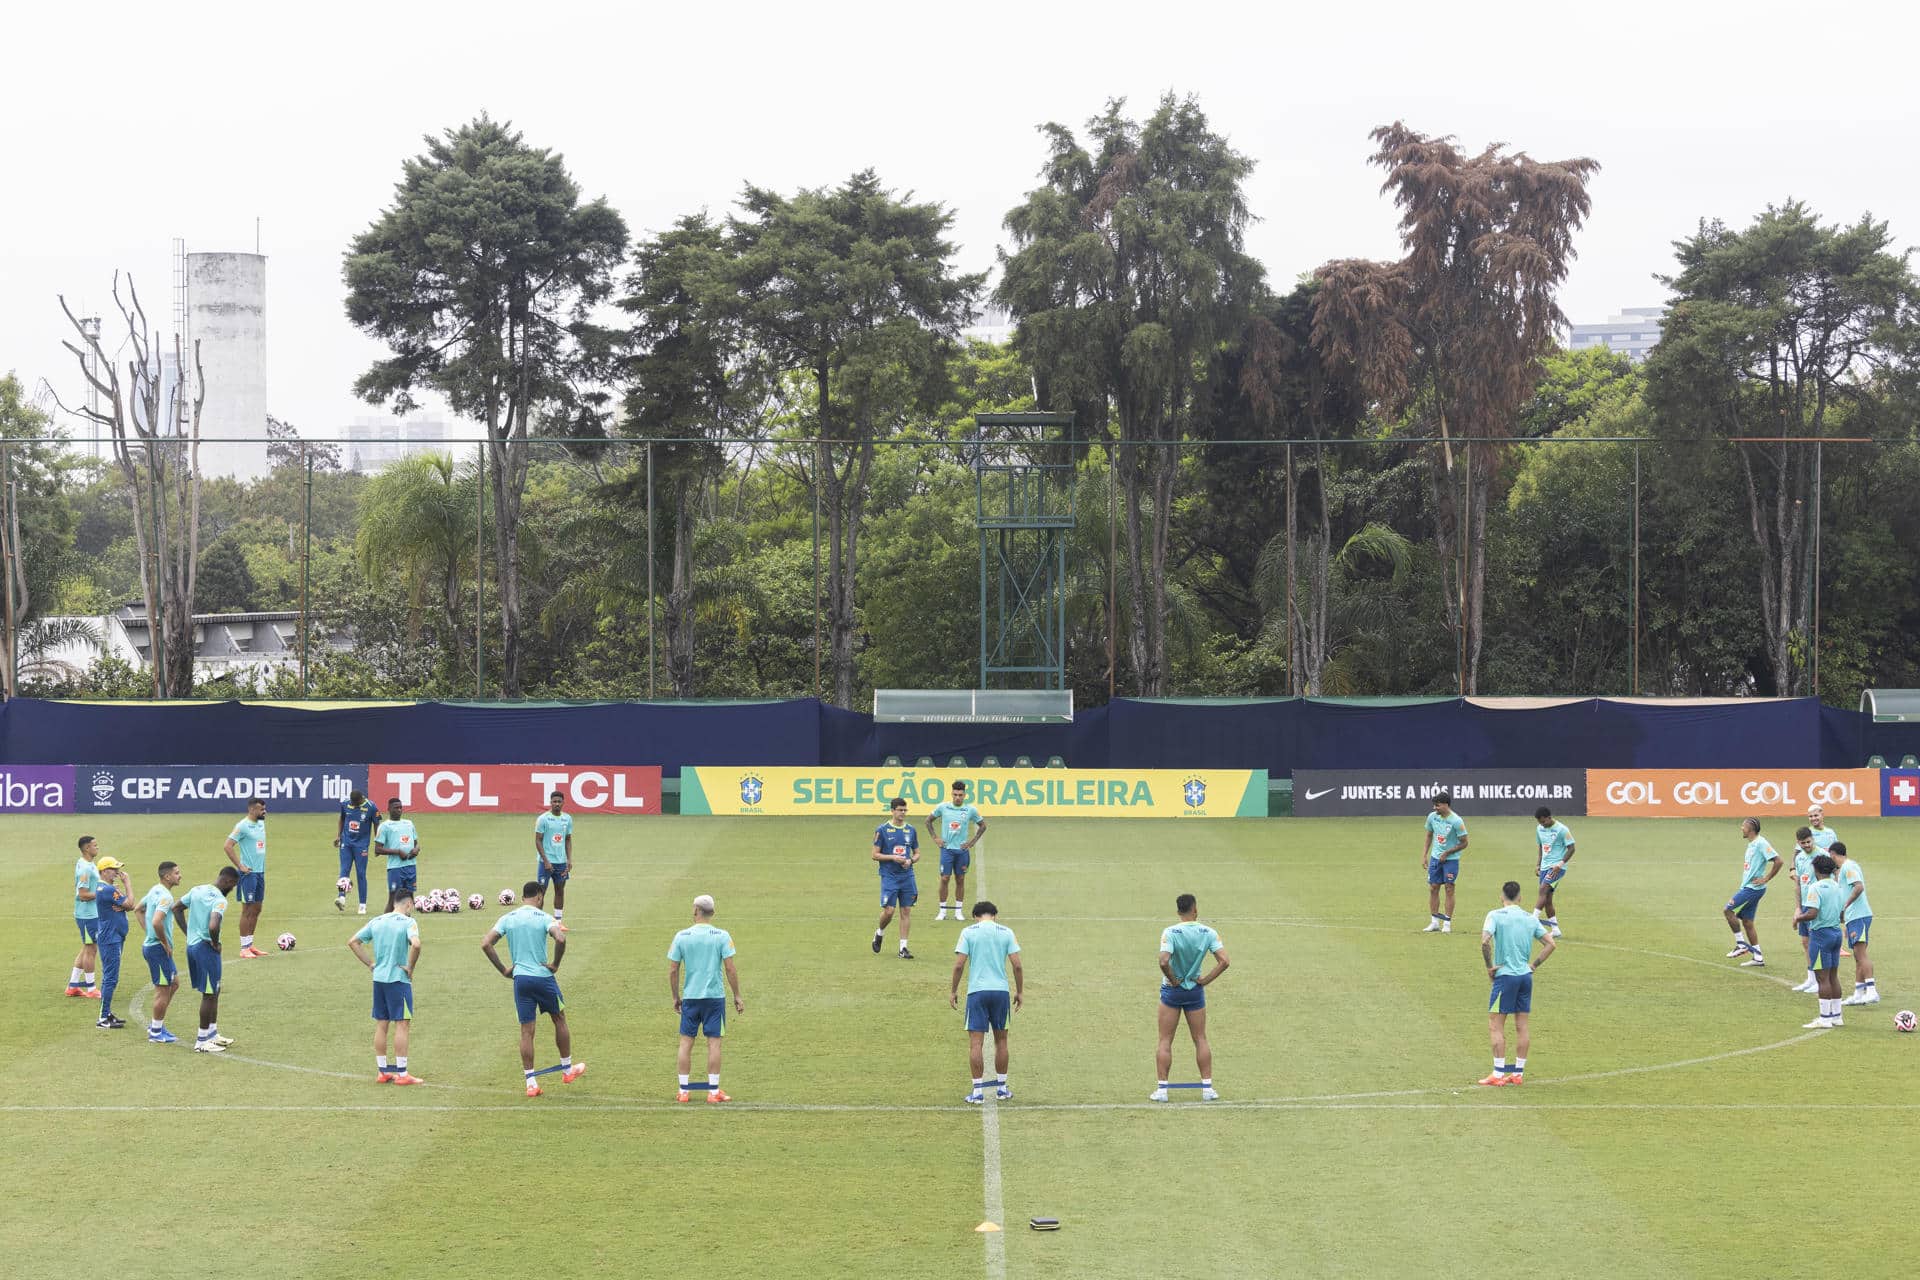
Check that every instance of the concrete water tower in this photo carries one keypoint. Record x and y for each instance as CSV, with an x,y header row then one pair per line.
x,y
227,315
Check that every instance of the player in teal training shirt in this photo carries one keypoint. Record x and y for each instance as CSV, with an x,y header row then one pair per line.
x,y
1822,908
1440,855
86,918
1183,948
396,841
247,851
536,990
1804,852
949,824
553,846
394,940
705,954
1856,918
1556,851
1759,864
201,912
1506,945
985,949
156,909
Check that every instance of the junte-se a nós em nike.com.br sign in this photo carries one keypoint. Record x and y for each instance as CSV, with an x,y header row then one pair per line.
x,y
1731,793
1040,793
1360,793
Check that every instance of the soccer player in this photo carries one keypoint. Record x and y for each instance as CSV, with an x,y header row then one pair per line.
x,y
536,989
86,917
1761,865
395,942
1823,835
896,847
157,910
358,817
948,824
399,844
1856,919
1506,947
1183,947
1446,837
553,846
705,953
201,913
1821,908
247,851
983,952
1556,852
1804,852
113,901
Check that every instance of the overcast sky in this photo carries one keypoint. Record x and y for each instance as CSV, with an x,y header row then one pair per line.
x,y
126,126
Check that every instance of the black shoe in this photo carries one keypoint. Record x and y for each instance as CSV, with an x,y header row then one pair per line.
x,y
111,1023
905,954
876,944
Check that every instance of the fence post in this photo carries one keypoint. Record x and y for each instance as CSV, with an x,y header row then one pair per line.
x,y
650,589
479,571
1634,689
306,566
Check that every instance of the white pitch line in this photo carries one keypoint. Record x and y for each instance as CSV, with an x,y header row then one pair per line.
x,y
995,1206
1507,1104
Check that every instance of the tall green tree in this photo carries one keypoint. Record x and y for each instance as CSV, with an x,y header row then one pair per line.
x,y
37,522
1775,331
1127,276
481,277
417,521
1453,332
854,288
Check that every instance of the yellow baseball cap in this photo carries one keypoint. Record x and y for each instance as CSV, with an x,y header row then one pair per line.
x,y
108,864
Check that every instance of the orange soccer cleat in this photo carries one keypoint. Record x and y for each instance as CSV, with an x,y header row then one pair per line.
x,y
385,1077
533,1089
573,1073
407,1078
717,1095
91,993
1496,1079
683,1096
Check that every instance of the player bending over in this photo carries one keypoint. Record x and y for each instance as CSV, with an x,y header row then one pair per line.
x,y
1440,855
982,953
1821,909
1556,853
704,953
896,847
1183,947
536,989
1856,919
201,913
553,847
395,941
1506,947
1761,865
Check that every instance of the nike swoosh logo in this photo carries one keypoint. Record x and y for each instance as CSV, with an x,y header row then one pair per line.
x,y
1315,795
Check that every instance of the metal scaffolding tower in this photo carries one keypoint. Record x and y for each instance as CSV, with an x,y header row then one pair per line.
x,y
1024,473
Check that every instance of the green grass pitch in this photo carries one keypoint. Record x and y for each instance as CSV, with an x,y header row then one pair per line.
x,y
1676,1121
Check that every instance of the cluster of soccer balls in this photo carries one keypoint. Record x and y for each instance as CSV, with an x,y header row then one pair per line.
x,y
447,900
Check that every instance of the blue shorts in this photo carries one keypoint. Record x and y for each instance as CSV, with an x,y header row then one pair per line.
x,y
987,1010
1744,903
1442,870
535,994
706,1016
1804,932
393,1002
1823,949
401,875
899,890
253,886
1512,993
160,965
1857,931
955,861
89,931
1183,997
351,858
1552,876
557,875
203,968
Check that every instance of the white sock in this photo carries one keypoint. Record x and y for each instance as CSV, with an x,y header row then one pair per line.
x,y
380,1061
529,1076
1163,1084
713,1079
1499,1065
683,1082
89,977
1554,921
879,933
903,944
1206,1082
1519,1064
559,915
246,940
157,1025
73,978
1810,981
978,1082
402,1064
1002,1080
566,1062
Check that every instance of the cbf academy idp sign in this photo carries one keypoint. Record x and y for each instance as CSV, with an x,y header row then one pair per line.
x,y
1048,793
142,788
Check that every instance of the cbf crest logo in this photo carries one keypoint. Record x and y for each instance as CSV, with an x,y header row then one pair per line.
x,y
1195,792
102,788
752,788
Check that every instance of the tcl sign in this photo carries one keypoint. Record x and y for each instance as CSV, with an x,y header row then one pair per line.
x,y
516,788
1715,793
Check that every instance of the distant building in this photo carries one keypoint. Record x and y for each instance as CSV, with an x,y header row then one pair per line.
x,y
223,643
226,295
993,325
1633,333
374,442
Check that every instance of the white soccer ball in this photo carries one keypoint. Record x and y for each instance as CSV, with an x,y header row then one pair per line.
x,y
343,884
425,904
477,901
453,905
506,897
1904,1020
286,942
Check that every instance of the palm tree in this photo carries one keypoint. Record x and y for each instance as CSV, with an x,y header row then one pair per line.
x,y
1340,614
417,519
39,644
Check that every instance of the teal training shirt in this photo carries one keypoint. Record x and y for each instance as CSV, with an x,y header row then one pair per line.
x,y
397,837
525,929
1823,838
955,822
85,876
1187,945
1851,875
1447,835
553,830
1824,897
1513,930
1554,841
986,944
204,902
392,936
251,837
1759,854
160,899
700,949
